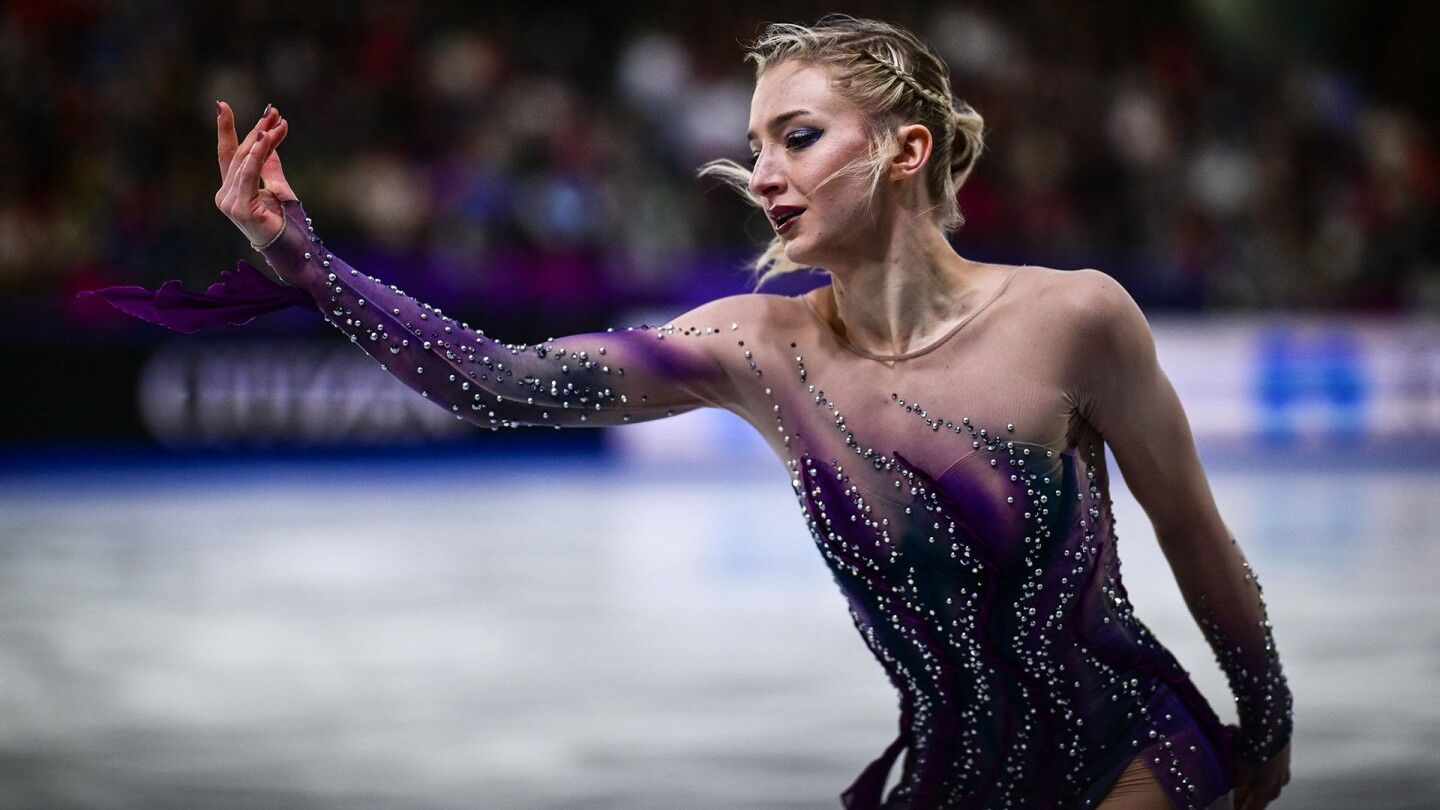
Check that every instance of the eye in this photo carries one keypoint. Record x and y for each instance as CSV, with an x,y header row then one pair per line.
x,y
797,139
801,138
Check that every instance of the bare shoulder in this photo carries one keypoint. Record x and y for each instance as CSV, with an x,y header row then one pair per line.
x,y
751,314
1076,292
1089,302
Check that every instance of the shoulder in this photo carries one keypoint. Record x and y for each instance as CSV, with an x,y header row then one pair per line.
x,y
751,306
745,315
1088,304
1097,327
1086,294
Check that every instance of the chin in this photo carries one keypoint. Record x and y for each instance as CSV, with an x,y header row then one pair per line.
x,y
799,248
823,244
804,253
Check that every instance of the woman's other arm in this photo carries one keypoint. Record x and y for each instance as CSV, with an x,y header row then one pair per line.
x,y
629,375
1124,394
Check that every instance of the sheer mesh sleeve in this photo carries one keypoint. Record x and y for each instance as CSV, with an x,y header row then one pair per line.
x,y
627,375
1129,400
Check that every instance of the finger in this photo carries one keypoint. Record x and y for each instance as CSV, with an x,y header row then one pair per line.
x,y
231,188
225,137
266,121
272,172
264,148
277,134
247,181
233,191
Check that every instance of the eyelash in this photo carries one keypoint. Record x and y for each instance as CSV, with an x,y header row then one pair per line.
x,y
809,136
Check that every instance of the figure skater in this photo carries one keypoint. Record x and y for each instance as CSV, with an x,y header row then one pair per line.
x,y
943,422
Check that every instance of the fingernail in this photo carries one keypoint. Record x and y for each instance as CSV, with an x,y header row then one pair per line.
x,y
217,108
267,108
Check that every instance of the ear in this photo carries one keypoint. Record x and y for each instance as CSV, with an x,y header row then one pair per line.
x,y
915,146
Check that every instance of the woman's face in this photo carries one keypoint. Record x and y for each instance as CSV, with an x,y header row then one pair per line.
x,y
801,132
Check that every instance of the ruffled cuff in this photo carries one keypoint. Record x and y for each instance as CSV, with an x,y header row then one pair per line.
x,y
240,296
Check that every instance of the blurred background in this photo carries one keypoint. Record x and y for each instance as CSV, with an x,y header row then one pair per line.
x,y
248,568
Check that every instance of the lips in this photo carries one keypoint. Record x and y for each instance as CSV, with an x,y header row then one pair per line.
x,y
782,215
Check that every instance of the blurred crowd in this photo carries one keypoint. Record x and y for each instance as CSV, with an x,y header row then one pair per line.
x,y
534,164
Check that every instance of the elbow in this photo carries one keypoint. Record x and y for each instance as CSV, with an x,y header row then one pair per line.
x,y
1194,536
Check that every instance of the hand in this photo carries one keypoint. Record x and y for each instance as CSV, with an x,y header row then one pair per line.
x,y
256,211
1257,786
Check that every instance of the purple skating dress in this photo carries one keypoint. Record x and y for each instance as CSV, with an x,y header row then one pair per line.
x,y
958,493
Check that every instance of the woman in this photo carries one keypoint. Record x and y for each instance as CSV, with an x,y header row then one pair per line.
x,y
943,422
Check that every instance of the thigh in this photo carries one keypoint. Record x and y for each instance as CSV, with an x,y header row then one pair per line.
x,y
1136,789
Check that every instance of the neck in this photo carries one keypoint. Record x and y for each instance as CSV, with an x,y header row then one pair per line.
x,y
907,294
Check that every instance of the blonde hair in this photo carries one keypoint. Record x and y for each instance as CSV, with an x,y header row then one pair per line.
x,y
895,78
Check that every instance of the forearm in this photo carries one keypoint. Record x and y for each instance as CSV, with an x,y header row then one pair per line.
x,y
582,380
1226,599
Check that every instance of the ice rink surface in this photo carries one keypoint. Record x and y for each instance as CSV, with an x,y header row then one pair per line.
x,y
549,634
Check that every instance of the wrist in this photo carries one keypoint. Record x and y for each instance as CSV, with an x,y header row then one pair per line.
x,y
284,223
1259,741
289,253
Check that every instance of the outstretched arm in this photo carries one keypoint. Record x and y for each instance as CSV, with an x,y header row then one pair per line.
x,y
1124,394
628,375
614,377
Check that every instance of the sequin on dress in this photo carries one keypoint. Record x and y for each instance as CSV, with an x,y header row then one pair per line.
x,y
959,495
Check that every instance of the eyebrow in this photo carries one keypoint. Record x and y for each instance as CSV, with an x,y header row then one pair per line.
x,y
777,121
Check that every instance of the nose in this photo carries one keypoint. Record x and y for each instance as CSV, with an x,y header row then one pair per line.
x,y
766,178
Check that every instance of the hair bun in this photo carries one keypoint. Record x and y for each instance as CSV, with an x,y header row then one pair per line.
x,y
969,141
